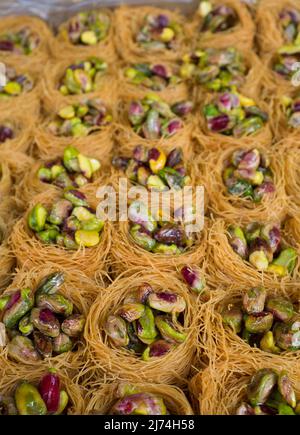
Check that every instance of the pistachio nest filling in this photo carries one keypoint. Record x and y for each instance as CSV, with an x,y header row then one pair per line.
x,y
289,20
292,111
271,324
154,169
155,77
216,19
83,77
149,323
247,174
132,401
39,324
233,114
16,84
47,397
152,118
80,120
263,247
159,32
6,132
287,55
156,234
24,41
69,224
285,59
72,171
269,393
88,28
216,70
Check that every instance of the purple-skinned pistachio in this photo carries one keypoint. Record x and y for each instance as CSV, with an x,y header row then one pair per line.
x,y
151,127
7,405
294,120
157,159
261,386
116,329
69,241
174,157
19,304
57,303
76,197
250,175
21,348
248,127
252,231
182,108
43,344
237,157
132,169
6,132
219,19
142,238
227,102
167,302
139,404
266,188
162,108
25,326
282,309
207,74
140,154
250,160
258,323
73,325
265,160
286,389
45,321
134,345
272,234
232,316
44,175
131,312
287,335
60,211
71,224
170,234
237,241
143,175
260,244
143,292
172,127
296,106
244,409
219,123
145,326
161,71
136,112
63,181
6,45
62,343
162,21
50,283
256,111
254,300
192,276
157,349
120,162
138,213
168,330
